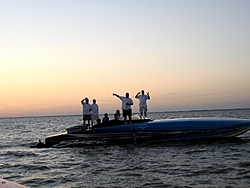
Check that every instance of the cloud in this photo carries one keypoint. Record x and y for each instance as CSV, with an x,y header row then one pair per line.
x,y
213,95
171,94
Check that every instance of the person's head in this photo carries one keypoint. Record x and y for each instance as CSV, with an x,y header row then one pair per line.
x,y
106,115
117,112
142,92
98,121
94,101
127,95
87,100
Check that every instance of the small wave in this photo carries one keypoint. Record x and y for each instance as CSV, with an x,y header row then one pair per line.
x,y
244,164
24,166
18,154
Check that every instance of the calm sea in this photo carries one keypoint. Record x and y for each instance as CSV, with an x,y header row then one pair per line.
x,y
224,163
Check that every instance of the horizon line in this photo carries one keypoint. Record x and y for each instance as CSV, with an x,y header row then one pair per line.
x,y
152,112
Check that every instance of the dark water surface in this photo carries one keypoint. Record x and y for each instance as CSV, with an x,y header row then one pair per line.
x,y
220,163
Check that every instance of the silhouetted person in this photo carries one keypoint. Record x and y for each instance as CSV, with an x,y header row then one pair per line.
x,y
117,115
94,112
86,111
105,118
126,106
143,102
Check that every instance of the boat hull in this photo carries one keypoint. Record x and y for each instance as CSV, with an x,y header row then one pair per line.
x,y
159,130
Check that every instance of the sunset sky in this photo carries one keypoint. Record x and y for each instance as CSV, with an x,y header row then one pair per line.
x,y
188,54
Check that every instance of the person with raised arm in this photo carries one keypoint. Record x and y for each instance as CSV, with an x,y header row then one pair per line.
x,y
143,102
86,111
126,106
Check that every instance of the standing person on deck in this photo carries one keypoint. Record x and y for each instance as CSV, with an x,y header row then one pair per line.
x,y
143,102
94,112
126,106
86,111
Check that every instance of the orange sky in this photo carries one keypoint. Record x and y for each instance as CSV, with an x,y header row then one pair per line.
x,y
188,55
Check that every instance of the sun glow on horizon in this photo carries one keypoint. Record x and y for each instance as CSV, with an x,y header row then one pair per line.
x,y
188,55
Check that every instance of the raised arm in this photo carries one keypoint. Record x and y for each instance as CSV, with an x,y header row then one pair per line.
x,y
148,96
82,100
137,94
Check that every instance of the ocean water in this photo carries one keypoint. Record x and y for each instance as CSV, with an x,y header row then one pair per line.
x,y
220,163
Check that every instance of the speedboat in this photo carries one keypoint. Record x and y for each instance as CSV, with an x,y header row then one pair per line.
x,y
146,130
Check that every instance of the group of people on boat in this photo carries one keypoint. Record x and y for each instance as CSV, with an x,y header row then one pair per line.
x,y
91,111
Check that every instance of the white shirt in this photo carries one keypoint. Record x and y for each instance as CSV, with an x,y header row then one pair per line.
x,y
142,100
94,109
126,100
86,108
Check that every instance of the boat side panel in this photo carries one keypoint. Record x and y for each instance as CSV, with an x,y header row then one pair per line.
x,y
181,124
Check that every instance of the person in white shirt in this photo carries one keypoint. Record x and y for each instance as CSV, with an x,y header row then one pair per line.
x,y
94,112
143,102
86,111
126,106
